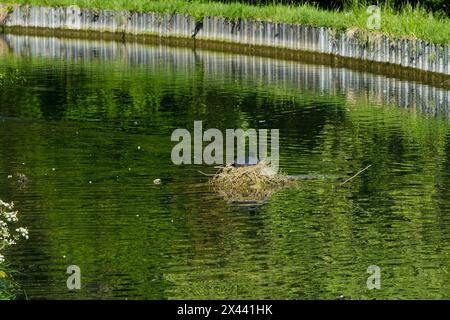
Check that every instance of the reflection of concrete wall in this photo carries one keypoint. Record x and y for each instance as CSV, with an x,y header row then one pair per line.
x,y
409,53
291,75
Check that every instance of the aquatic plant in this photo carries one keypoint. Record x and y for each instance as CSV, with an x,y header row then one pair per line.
x,y
10,233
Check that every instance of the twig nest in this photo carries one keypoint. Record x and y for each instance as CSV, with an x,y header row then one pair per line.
x,y
248,183
268,172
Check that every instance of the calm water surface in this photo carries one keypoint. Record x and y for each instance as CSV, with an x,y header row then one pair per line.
x,y
90,127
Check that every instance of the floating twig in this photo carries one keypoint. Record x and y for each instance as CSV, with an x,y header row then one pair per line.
x,y
355,175
207,174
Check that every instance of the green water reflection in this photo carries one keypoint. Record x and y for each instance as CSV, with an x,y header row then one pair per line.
x,y
91,135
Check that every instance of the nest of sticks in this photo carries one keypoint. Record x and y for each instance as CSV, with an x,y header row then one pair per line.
x,y
248,184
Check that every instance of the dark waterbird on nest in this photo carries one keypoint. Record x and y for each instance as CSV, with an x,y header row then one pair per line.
x,y
245,161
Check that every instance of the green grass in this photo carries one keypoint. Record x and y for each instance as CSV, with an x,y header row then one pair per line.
x,y
7,285
409,23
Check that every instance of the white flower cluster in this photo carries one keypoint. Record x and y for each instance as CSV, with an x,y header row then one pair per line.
x,y
8,237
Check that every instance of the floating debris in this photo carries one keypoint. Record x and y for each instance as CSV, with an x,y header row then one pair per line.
x,y
22,181
157,181
355,175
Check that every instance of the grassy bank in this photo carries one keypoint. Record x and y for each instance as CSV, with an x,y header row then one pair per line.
x,y
409,23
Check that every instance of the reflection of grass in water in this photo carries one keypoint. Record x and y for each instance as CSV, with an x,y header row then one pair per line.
x,y
205,289
12,76
310,234
293,262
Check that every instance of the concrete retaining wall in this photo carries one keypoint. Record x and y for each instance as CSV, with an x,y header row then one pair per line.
x,y
409,53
